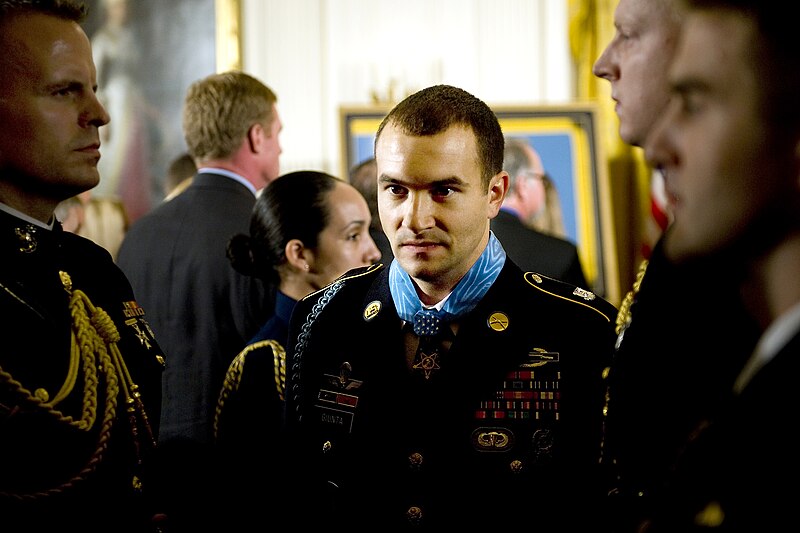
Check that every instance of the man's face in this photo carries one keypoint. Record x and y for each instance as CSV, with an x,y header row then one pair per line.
x,y
531,186
636,62
50,145
712,142
433,205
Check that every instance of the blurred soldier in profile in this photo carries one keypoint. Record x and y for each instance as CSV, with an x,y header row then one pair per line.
x,y
729,147
654,404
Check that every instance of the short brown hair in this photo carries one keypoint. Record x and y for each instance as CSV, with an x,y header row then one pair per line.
x,y
434,109
219,110
64,9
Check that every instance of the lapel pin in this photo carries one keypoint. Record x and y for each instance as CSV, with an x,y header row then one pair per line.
x,y
371,310
498,321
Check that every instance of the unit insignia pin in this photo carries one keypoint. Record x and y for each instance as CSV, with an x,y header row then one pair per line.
x,y
27,238
583,293
372,309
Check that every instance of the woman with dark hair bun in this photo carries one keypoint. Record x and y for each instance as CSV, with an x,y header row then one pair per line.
x,y
307,229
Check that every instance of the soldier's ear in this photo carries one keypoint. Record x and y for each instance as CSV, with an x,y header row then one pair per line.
x,y
498,189
296,254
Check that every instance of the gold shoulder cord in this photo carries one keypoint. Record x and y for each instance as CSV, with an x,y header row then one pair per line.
x,y
623,321
94,349
624,315
233,377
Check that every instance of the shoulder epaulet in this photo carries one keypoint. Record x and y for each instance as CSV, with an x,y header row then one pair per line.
x,y
571,293
352,274
233,377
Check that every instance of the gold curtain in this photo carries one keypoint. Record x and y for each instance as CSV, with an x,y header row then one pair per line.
x,y
591,28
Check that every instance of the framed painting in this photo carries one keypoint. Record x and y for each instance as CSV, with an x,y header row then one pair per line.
x,y
565,137
147,53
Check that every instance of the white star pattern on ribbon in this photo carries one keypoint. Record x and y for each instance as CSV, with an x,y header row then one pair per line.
x,y
426,323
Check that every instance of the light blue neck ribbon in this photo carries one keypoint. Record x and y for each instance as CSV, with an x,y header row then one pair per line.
x,y
465,296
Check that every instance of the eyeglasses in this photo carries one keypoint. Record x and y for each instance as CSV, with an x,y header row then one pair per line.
x,y
535,175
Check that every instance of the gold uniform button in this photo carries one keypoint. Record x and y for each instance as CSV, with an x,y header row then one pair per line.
x,y
515,466
415,460
326,446
711,516
414,515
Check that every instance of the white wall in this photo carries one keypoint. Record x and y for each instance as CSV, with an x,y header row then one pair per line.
x,y
320,54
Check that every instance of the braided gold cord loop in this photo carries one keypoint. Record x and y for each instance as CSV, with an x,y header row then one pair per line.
x,y
231,383
279,361
624,319
624,314
72,375
94,350
104,325
233,377
90,345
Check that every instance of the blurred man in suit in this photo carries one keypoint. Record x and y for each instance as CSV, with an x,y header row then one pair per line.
x,y
532,250
176,259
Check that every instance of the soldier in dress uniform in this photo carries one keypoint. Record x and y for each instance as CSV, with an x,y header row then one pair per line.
x,y
666,377
729,147
80,370
450,388
307,229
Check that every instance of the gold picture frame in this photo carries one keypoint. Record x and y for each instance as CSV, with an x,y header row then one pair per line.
x,y
229,35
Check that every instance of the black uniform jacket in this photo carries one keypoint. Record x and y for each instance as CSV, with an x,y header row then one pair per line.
x,y
684,336
737,473
55,475
504,433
